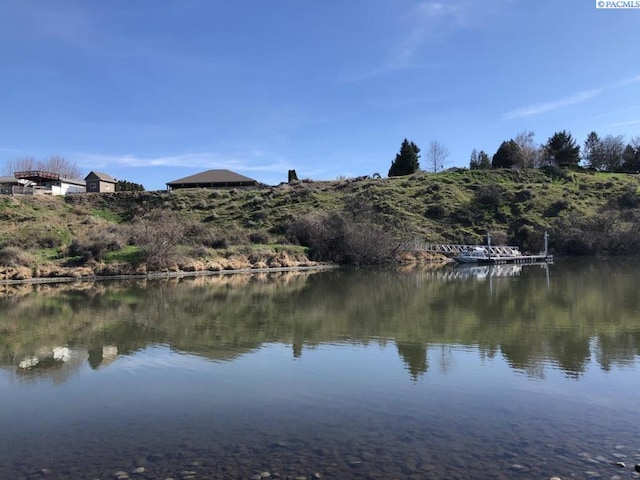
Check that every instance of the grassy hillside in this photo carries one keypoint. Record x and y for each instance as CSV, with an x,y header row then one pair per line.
x,y
517,206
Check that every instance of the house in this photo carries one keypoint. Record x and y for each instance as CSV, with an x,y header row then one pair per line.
x,y
7,184
38,182
100,182
212,179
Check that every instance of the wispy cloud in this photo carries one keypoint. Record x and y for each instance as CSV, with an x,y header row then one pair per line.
x,y
539,108
573,99
624,124
256,161
423,23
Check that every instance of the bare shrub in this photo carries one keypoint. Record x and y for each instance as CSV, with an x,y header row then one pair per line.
x,y
157,232
603,233
341,239
15,257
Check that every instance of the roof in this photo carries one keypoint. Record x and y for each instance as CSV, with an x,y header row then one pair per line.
x,y
73,181
8,180
101,176
213,176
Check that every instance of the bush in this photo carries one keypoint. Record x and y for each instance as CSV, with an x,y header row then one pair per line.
x,y
629,198
158,233
341,239
489,197
15,257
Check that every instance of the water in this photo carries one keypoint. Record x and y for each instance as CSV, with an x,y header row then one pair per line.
x,y
505,372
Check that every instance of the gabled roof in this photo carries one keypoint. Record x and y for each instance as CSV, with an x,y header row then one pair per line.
x,y
101,176
8,180
213,176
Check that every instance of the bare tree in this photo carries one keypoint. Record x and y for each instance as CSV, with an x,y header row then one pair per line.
x,y
158,233
54,164
22,164
437,154
531,153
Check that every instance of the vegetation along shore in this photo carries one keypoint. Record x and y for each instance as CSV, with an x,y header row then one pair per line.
x,y
360,221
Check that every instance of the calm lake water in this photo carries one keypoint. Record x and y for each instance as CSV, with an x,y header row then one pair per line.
x,y
483,372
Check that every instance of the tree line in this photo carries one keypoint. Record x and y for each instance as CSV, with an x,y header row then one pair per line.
x,y
611,153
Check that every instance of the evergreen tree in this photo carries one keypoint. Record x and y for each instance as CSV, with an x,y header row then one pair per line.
x,y
631,159
474,163
562,150
126,186
483,161
592,155
507,156
407,161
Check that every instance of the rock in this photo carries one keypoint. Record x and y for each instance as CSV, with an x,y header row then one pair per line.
x,y
618,464
138,470
555,478
637,467
256,477
265,475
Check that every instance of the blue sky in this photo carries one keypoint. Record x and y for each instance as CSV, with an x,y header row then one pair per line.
x,y
151,91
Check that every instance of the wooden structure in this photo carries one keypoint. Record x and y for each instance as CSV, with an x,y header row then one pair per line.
x,y
39,182
100,182
213,179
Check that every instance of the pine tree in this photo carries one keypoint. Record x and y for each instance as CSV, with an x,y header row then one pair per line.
x,y
407,160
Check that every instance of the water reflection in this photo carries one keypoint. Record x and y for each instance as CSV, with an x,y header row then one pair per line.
x,y
564,316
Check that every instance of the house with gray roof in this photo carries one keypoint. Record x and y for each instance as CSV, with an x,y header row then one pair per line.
x,y
213,179
99,182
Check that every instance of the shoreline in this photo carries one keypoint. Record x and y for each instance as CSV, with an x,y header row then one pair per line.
x,y
162,275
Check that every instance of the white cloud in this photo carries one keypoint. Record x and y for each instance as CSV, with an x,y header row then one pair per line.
x,y
569,100
423,23
539,108
625,124
257,161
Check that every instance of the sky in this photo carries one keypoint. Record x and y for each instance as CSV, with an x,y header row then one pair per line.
x,y
152,91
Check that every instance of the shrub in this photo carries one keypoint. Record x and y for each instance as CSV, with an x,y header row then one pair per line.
x,y
341,239
629,198
15,257
157,232
489,197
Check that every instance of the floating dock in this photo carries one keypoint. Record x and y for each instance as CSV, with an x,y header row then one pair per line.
x,y
518,259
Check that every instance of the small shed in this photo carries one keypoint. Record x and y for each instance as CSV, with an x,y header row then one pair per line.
x,y
7,184
100,182
213,179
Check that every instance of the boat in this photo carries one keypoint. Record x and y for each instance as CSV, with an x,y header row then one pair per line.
x,y
473,255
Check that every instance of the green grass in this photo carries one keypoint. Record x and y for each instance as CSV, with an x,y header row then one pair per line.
x,y
129,254
107,214
428,207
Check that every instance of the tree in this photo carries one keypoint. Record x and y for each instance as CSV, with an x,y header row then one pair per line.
x,y
126,186
507,156
474,163
54,164
592,151
631,156
437,154
407,161
483,160
529,151
158,233
561,150
612,152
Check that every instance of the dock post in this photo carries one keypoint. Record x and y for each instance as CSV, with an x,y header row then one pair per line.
x,y
546,244
489,244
